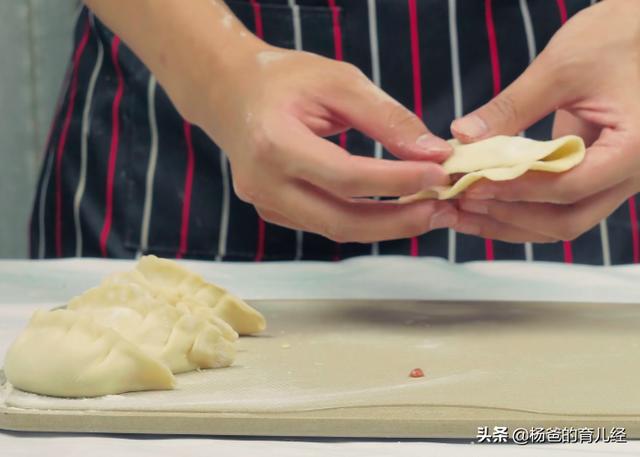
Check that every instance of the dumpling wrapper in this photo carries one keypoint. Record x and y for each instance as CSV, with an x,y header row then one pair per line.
x,y
502,158
65,353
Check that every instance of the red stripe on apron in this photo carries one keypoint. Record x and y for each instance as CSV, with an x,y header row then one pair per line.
x,y
417,82
257,17
635,235
188,188
113,148
54,121
497,84
73,91
338,54
566,245
562,8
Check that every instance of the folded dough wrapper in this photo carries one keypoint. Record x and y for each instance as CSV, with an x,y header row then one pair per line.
x,y
502,158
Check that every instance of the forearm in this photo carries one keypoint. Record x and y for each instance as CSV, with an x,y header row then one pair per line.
x,y
184,43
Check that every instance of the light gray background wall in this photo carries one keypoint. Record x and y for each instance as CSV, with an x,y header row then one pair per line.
x,y
35,44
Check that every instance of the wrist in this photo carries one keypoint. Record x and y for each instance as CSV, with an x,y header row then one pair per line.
x,y
212,75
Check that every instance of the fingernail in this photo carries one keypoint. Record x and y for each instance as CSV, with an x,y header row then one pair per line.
x,y
467,227
480,193
471,126
435,179
433,144
443,218
475,206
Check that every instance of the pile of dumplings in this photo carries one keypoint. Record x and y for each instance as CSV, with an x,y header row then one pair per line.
x,y
131,333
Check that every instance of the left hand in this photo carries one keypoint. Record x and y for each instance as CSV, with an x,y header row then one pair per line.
x,y
589,74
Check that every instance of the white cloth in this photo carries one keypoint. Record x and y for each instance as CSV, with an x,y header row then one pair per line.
x,y
28,285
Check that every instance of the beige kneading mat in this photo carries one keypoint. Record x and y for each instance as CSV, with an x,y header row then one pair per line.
x,y
502,158
545,358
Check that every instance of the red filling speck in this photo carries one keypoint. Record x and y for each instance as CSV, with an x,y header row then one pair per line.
x,y
416,373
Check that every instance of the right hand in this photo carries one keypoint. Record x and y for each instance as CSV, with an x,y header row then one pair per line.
x,y
270,114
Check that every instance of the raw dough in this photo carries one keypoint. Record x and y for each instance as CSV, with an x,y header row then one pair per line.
x,y
182,339
174,284
66,353
502,158
131,333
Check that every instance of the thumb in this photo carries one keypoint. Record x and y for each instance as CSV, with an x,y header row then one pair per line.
x,y
376,114
566,123
528,99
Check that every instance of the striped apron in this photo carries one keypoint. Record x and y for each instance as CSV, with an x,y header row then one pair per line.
x,y
124,174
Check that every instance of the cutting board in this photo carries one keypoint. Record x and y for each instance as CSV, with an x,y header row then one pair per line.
x,y
334,368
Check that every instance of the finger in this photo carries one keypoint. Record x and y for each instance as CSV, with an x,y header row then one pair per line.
x,y
274,217
373,112
487,227
363,222
565,222
565,123
528,99
329,167
605,165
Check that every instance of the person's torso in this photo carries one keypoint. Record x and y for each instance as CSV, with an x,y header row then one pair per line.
x,y
124,174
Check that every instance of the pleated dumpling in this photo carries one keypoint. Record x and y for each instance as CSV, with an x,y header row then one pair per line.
x,y
131,333
208,314
121,307
66,353
170,282
183,340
